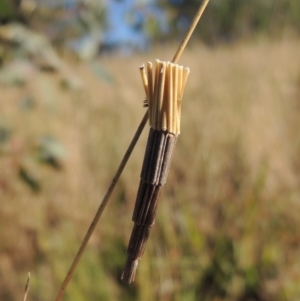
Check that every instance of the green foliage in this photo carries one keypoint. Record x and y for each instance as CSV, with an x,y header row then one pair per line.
x,y
8,10
232,19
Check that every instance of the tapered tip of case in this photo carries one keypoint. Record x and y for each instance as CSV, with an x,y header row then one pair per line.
x,y
129,271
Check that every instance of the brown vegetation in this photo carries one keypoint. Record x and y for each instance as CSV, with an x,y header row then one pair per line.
x,y
227,225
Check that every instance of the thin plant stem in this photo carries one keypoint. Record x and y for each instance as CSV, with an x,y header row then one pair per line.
x,y
102,206
190,31
123,164
26,287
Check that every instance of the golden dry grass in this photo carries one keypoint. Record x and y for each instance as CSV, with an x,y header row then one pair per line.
x,y
227,225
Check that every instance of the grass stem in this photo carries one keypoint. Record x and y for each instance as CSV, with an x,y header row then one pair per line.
x,y
26,287
190,31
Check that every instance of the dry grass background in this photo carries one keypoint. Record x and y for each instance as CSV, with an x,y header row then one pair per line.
x,y
227,225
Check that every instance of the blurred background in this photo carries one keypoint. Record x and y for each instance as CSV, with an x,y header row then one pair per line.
x,y
227,226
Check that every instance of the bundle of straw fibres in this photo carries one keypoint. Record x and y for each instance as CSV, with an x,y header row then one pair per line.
x,y
164,88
